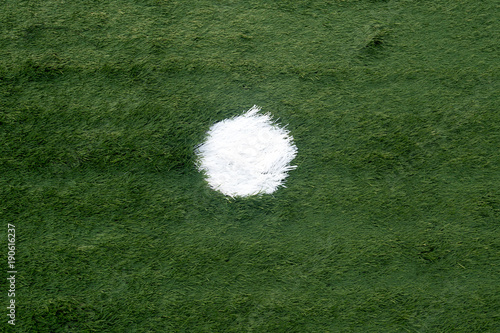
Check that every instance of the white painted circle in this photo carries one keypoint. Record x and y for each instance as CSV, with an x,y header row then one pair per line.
x,y
246,155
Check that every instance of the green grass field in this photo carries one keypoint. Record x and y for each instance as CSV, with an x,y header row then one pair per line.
x,y
390,223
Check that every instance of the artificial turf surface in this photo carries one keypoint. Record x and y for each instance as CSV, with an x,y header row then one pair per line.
x,y
390,223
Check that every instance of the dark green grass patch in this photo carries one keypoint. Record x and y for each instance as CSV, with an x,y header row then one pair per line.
x,y
390,223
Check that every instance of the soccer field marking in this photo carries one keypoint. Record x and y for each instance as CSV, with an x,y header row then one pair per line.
x,y
246,155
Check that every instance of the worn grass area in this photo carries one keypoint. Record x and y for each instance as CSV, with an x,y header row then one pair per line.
x,y
390,223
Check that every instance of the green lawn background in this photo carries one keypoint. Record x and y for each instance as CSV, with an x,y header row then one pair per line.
x,y
390,223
